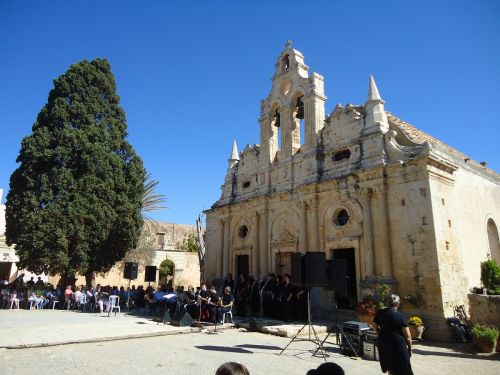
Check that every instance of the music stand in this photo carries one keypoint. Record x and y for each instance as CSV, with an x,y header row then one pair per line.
x,y
316,339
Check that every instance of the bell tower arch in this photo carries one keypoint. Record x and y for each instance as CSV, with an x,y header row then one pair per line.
x,y
296,99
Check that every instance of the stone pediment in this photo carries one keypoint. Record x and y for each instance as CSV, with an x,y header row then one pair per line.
x,y
285,238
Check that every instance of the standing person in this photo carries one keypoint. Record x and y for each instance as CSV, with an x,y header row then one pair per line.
x,y
254,296
229,281
394,339
267,295
278,291
242,296
287,301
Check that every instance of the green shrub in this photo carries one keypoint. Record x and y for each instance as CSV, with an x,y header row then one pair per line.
x,y
490,275
484,332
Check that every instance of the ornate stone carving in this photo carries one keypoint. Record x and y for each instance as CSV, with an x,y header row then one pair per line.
x,y
285,238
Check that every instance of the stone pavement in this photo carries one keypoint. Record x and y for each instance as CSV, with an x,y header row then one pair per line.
x,y
34,328
140,345
25,328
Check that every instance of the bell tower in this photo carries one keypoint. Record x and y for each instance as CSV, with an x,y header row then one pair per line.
x,y
296,99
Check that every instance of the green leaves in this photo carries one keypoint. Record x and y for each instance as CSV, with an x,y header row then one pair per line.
x,y
75,200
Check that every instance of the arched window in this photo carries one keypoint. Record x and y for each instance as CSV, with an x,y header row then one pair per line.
x,y
493,240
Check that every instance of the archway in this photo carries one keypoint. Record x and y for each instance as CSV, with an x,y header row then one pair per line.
x,y
167,272
493,240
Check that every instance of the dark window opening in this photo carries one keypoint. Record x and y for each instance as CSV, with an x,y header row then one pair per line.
x,y
341,218
243,231
246,184
300,108
276,118
286,62
341,155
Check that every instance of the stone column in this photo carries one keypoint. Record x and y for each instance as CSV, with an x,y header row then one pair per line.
x,y
287,125
303,226
383,263
226,254
256,245
367,261
313,244
265,252
314,117
220,254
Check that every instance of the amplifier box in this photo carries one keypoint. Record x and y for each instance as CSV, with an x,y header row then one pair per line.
x,y
370,351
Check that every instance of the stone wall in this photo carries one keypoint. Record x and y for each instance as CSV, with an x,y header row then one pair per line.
x,y
484,309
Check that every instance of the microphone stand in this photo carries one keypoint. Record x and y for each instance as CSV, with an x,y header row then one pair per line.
x,y
261,295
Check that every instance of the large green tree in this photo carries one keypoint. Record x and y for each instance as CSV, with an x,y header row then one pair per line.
x,y
74,204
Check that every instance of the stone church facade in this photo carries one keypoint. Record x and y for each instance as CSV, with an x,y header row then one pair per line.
x,y
361,185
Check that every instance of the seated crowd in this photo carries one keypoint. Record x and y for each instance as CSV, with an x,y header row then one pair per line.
x,y
274,296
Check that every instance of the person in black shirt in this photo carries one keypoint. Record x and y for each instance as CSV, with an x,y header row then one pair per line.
x,y
214,303
254,296
287,301
394,339
267,295
278,291
229,281
204,297
226,305
242,292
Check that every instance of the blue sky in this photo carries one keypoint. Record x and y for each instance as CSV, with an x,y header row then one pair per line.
x,y
191,74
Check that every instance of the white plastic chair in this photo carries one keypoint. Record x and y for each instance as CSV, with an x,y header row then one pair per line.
x,y
14,301
82,302
229,313
114,304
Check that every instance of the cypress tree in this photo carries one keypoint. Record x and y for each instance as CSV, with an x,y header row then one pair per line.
x,y
74,204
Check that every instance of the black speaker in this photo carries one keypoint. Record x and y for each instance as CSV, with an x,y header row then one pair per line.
x,y
150,274
130,270
181,319
336,275
308,269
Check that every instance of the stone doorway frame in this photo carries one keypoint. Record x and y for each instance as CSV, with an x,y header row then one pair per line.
x,y
347,243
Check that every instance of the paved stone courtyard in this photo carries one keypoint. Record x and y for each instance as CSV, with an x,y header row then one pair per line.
x,y
169,350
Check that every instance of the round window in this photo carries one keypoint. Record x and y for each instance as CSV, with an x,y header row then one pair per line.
x,y
243,231
341,217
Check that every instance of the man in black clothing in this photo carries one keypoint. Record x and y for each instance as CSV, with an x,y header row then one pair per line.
x,y
227,304
214,303
267,295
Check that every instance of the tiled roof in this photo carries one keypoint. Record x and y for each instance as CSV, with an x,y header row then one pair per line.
x,y
418,136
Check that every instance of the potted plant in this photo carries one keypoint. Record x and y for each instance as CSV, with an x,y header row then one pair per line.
x,y
373,301
416,327
485,337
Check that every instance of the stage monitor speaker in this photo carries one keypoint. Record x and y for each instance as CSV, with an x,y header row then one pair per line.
x,y
130,271
150,274
308,269
336,275
181,319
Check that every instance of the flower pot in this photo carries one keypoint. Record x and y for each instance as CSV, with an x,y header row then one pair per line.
x,y
484,346
416,332
365,318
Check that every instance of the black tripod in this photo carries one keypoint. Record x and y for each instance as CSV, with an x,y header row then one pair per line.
x,y
337,329
316,339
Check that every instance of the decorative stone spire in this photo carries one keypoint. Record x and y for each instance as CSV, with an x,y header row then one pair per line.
x,y
373,90
376,118
234,158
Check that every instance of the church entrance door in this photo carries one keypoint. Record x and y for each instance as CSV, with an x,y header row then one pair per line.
x,y
242,266
347,300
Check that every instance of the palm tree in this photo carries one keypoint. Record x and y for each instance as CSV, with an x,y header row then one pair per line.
x,y
150,200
